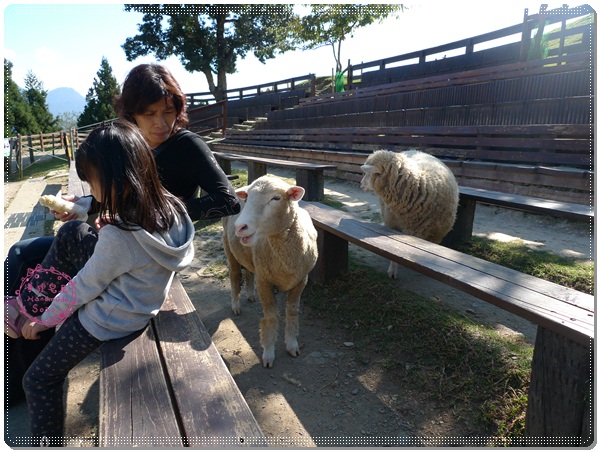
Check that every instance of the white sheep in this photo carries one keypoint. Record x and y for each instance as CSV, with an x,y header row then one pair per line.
x,y
418,194
274,239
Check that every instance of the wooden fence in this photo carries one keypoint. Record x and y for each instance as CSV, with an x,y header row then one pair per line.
x,y
433,61
32,146
280,86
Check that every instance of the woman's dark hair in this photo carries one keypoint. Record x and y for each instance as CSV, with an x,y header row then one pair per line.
x,y
146,84
118,158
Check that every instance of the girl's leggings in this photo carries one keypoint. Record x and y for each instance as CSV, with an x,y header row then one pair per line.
x,y
43,382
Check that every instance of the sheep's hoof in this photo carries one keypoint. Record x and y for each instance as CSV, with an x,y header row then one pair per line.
x,y
236,309
268,358
293,348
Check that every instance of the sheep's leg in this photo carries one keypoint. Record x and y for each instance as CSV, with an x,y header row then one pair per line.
x,y
235,279
269,323
393,270
249,279
292,321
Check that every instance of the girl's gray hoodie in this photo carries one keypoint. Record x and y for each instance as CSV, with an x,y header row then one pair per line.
x,y
125,281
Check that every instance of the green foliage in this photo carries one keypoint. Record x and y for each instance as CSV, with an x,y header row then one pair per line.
x,y
67,120
210,38
100,97
18,117
36,96
329,25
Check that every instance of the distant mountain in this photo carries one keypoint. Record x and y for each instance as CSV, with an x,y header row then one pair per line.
x,y
62,100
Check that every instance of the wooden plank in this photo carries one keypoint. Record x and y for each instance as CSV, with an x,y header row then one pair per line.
x,y
560,309
135,406
531,204
76,186
212,409
276,162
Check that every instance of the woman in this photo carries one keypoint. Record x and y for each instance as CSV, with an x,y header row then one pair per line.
x,y
152,99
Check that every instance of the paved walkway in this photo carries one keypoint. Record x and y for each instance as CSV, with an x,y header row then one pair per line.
x,y
24,217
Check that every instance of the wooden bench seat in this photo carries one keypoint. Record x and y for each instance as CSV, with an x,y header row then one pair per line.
x,y
167,386
561,369
308,175
469,197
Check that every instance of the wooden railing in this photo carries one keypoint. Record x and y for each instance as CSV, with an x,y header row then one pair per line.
x,y
467,47
209,118
280,86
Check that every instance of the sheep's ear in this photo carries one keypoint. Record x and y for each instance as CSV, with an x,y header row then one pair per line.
x,y
242,193
295,193
367,169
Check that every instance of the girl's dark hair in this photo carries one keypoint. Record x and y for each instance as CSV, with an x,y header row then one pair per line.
x,y
118,158
146,84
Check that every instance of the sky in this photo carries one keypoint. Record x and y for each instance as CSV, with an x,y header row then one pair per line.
x,y
63,44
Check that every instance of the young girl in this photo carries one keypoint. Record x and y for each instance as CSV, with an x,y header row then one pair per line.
x,y
120,275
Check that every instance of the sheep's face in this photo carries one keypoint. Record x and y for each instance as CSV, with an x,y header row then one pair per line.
x,y
267,209
365,183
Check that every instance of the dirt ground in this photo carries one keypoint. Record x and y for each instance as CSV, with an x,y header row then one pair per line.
x,y
325,397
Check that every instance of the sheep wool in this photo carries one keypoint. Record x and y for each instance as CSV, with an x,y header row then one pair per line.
x,y
418,193
274,242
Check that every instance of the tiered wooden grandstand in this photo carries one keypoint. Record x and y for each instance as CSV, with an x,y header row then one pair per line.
x,y
523,127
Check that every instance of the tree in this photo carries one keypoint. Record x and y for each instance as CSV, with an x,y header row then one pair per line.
x,y
210,38
329,25
67,120
18,117
100,97
35,95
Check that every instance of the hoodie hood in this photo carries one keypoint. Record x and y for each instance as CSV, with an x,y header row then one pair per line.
x,y
172,249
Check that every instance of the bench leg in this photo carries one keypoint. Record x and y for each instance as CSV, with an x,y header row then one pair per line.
x,y
255,171
313,183
463,226
225,165
560,393
333,257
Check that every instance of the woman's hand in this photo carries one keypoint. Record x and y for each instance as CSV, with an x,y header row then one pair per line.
x,y
31,330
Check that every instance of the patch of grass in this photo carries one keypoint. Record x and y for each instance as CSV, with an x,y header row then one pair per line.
x,y
217,269
333,203
41,168
242,178
208,226
515,255
431,347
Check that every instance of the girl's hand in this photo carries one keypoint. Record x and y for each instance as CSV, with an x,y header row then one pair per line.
x,y
100,222
31,330
66,216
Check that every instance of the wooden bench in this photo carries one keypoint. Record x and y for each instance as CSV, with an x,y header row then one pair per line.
x,y
167,386
308,175
559,407
543,168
